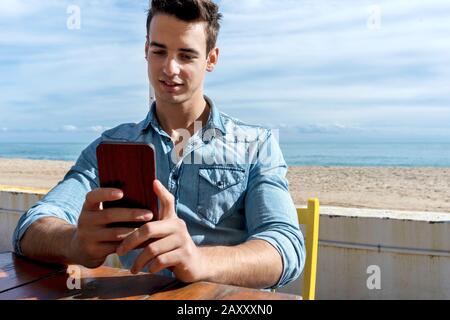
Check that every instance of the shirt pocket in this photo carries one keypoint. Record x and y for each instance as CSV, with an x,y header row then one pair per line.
x,y
219,191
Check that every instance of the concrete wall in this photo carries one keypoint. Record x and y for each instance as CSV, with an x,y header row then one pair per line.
x,y
410,250
13,203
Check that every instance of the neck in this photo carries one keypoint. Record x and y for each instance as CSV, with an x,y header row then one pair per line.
x,y
175,116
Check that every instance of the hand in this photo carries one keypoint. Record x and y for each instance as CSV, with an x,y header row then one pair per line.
x,y
173,249
93,240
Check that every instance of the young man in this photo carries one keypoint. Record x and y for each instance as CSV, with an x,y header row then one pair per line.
x,y
226,218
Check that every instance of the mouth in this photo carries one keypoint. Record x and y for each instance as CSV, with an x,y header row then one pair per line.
x,y
170,84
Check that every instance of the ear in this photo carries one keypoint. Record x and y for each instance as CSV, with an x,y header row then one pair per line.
x,y
213,58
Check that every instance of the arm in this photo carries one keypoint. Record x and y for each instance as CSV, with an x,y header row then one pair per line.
x,y
270,212
91,241
54,236
254,264
62,204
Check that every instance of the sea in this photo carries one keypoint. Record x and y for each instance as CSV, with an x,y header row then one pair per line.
x,y
295,153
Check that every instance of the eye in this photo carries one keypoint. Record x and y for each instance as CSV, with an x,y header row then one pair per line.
x,y
158,52
187,57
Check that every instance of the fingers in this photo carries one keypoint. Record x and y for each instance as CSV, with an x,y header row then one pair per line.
x,y
166,200
96,196
111,215
155,250
112,235
166,260
156,229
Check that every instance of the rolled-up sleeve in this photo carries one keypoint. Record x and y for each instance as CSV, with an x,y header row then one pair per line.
x,y
270,211
66,199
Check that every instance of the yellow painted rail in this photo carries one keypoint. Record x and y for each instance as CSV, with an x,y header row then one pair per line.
x,y
23,189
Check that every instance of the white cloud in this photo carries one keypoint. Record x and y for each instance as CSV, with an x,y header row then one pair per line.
x,y
69,128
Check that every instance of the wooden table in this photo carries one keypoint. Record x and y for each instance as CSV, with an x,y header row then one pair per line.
x,y
21,278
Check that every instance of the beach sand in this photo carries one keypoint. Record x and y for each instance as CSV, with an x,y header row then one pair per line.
x,y
417,189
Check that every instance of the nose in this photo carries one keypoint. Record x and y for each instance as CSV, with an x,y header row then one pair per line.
x,y
171,67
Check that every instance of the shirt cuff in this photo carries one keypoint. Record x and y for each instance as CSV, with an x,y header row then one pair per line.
x,y
33,214
291,256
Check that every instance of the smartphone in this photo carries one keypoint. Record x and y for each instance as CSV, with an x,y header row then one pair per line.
x,y
131,168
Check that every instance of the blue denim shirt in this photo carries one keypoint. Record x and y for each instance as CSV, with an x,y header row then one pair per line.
x,y
229,185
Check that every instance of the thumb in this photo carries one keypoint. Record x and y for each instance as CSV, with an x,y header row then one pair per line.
x,y
166,199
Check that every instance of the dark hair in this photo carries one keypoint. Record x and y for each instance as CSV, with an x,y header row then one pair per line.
x,y
190,10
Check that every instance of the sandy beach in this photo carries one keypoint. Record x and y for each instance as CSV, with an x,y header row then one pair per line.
x,y
418,189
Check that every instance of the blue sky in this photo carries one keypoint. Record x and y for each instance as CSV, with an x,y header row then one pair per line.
x,y
320,70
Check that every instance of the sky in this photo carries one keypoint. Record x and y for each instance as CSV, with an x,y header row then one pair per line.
x,y
316,70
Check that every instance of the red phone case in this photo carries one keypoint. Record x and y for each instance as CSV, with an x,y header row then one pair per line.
x,y
131,168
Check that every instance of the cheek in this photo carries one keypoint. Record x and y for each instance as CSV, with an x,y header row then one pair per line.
x,y
152,70
195,73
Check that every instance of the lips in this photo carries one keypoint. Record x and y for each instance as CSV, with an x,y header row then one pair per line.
x,y
170,86
170,83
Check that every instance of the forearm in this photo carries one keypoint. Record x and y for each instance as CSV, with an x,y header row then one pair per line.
x,y
49,240
255,264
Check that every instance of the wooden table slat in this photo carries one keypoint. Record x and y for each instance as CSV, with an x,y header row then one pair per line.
x,y
22,278
14,274
101,283
213,291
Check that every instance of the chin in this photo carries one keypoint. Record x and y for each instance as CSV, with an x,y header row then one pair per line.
x,y
173,99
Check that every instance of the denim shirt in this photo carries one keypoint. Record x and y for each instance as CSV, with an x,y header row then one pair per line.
x,y
229,186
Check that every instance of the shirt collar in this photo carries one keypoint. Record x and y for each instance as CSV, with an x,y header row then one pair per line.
x,y
214,120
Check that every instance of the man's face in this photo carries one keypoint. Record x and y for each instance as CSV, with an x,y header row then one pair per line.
x,y
177,59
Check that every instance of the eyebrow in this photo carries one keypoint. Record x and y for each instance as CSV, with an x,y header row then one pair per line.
x,y
162,46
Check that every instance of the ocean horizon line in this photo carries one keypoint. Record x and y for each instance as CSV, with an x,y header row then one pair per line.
x,y
289,165
309,154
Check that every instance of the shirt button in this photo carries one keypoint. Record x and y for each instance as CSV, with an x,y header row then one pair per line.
x,y
175,176
220,184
